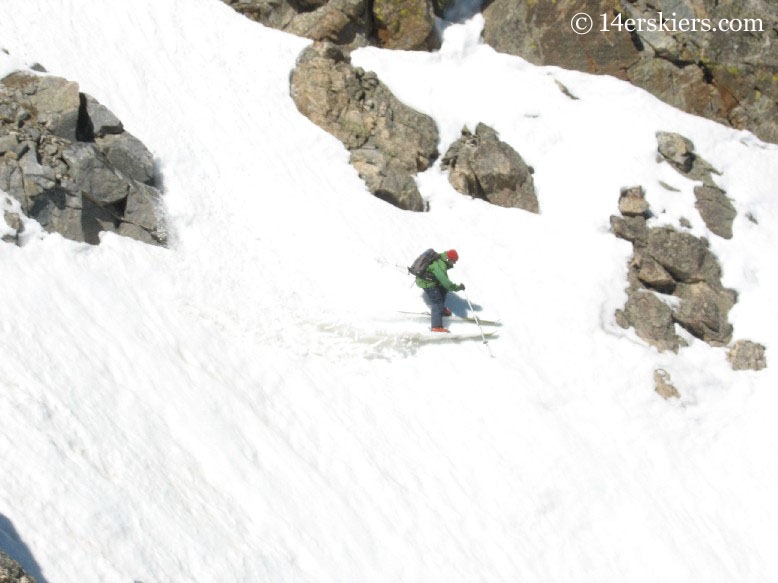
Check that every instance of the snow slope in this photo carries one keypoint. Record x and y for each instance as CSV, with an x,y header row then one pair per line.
x,y
248,405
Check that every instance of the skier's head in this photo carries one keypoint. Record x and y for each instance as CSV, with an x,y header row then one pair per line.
x,y
452,255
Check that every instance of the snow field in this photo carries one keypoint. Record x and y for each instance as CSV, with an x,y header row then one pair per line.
x,y
222,408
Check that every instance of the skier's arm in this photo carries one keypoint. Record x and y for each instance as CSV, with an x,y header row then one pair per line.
x,y
440,274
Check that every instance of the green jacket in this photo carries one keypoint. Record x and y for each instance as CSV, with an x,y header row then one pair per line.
x,y
439,269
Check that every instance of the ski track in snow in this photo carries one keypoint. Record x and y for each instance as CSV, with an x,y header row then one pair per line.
x,y
249,405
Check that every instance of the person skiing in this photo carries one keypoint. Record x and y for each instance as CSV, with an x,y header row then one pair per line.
x,y
436,285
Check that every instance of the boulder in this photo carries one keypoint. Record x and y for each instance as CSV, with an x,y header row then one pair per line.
x,y
676,150
389,142
651,318
747,355
632,229
686,257
129,155
483,166
632,202
715,209
91,175
101,119
704,310
664,386
679,152
653,275
68,161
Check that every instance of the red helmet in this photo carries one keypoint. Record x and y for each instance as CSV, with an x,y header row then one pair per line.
x,y
452,255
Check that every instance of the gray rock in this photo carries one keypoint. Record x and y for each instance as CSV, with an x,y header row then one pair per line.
x,y
394,24
704,310
12,572
59,176
482,166
104,122
747,355
387,180
405,24
632,229
632,202
715,209
663,385
681,268
388,141
654,276
93,176
344,22
37,177
129,155
683,255
14,222
652,320
144,210
56,101
678,151
12,179
9,144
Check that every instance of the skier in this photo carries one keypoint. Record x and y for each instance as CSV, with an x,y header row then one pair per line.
x,y
438,285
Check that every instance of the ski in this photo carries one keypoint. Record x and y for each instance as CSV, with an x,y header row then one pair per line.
x,y
456,318
430,336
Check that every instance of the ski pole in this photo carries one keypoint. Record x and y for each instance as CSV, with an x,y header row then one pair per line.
x,y
475,317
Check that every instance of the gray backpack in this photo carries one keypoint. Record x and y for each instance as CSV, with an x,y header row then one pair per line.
x,y
419,267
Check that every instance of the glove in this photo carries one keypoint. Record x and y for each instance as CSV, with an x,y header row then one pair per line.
x,y
461,287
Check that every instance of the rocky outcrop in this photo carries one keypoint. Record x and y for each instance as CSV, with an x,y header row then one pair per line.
x,y
71,165
388,141
714,206
725,76
12,572
394,24
483,166
673,278
747,355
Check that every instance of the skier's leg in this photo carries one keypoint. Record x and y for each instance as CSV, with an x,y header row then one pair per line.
x,y
436,297
444,310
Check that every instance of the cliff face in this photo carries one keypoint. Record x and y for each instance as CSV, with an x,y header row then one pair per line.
x,y
678,50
